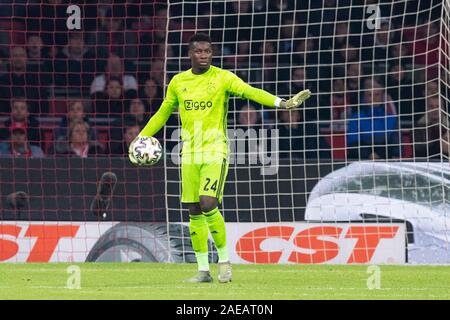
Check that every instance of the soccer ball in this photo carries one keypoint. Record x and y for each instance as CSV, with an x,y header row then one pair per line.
x,y
147,151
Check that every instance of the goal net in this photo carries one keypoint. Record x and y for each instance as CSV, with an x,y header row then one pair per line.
x,y
358,174
364,160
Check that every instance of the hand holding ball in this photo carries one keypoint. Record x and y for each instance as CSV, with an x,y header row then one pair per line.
x,y
145,151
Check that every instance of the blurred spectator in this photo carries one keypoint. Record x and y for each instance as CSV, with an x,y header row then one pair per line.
x,y
78,143
19,114
135,116
346,54
113,69
110,102
399,54
24,80
288,86
248,118
304,52
384,36
76,112
322,22
152,95
157,71
298,82
422,92
130,131
247,130
113,37
155,51
51,25
3,65
237,20
152,29
159,51
390,105
288,32
340,106
242,7
425,49
431,114
290,135
423,37
431,88
289,37
266,58
75,66
241,58
341,34
372,131
300,139
429,130
354,76
39,63
35,47
18,145
280,5
204,18
400,89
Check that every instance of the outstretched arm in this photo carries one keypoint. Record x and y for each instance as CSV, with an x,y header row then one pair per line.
x,y
160,118
260,96
239,88
265,98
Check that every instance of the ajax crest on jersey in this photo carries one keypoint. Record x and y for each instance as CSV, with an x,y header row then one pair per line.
x,y
147,151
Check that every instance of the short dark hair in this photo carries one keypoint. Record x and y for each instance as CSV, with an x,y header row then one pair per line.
x,y
199,37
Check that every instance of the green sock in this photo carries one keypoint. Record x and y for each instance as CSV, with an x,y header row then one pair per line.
x,y
217,228
198,230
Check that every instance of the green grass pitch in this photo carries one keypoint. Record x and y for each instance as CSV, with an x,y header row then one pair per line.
x,y
165,281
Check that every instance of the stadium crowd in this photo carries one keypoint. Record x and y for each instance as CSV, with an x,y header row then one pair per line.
x,y
89,92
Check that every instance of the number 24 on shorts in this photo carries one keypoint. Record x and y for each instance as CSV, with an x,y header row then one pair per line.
x,y
213,186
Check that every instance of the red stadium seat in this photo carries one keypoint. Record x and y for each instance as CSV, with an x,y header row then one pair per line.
x,y
338,146
407,144
335,139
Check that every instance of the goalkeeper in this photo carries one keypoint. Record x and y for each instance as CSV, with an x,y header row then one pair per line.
x,y
201,95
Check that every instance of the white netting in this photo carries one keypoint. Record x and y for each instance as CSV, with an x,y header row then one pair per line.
x,y
378,71
370,146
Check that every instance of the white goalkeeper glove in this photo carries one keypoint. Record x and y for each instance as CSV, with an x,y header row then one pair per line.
x,y
131,156
296,100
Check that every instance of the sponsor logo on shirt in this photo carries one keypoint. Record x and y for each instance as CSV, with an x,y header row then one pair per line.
x,y
211,88
196,105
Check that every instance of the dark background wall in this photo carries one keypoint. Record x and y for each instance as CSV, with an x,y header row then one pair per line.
x,y
63,189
